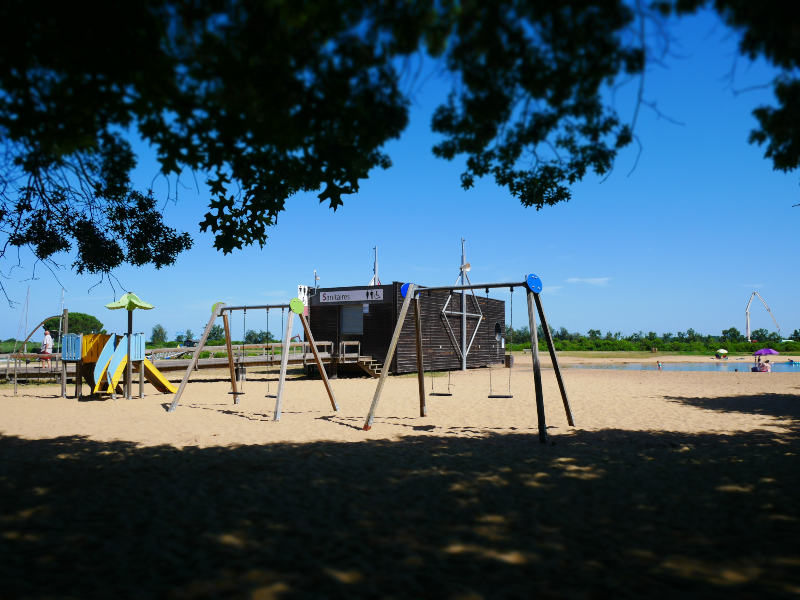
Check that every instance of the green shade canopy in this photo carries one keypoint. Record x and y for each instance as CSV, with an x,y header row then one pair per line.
x,y
129,302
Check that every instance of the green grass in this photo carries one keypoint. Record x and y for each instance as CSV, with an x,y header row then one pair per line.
x,y
626,354
8,347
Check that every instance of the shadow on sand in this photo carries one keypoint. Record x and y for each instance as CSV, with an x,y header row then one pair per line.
x,y
600,514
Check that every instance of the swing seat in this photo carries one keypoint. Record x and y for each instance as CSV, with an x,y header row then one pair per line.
x,y
499,396
235,393
271,396
440,394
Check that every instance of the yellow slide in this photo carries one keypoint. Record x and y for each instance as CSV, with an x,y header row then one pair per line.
x,y
117,374
155,377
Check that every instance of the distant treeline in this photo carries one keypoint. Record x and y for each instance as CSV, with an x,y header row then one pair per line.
x,y
159,336
689,341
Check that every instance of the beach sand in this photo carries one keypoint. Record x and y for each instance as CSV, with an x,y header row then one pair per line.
x,y
671,484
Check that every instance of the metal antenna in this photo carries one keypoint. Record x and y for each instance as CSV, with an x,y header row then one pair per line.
x,y
375,279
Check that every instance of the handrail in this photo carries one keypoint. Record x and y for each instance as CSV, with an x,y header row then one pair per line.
x,y
154,351
19,355
235,347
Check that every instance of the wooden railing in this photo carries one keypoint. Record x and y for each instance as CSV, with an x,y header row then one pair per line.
x,y
343,351
266,349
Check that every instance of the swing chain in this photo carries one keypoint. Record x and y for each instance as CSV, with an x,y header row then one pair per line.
x,y
242,351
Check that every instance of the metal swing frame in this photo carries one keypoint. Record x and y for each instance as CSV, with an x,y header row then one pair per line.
x,y
533,286
221,310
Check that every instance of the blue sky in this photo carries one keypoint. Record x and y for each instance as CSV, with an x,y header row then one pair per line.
x,y
680,243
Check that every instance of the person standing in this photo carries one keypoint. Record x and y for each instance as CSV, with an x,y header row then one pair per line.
x,y
659,364
47,348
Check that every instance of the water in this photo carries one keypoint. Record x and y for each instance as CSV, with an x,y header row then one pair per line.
x,y
727,366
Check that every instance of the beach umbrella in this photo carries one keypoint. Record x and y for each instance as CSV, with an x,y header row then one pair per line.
x,y
722,351
129,302
764,351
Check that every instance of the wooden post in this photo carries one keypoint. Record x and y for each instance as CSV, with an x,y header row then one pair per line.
x,y
231,364
129,365
141,379
287,340
320,366
423,409
78,378
16,363
196,356
551,347
390,354
537,370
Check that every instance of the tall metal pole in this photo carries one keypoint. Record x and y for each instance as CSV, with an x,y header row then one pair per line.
x,y
27,311
61,312
463,307
375,280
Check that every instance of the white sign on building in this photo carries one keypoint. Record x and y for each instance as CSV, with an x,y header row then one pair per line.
x,y
302,293
364,295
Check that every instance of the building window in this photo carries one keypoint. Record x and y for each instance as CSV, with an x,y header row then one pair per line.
x,y
352,321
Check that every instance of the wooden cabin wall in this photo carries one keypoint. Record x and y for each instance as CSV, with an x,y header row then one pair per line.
x,y
324,324
438,350
378,329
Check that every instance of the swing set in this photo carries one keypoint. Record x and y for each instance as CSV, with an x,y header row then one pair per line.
x,y
296,307
498,335
533,285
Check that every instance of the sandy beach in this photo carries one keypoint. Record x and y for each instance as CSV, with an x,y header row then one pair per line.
x,y
671,483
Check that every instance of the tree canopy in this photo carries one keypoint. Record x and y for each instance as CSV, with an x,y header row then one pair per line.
x,y
159,334
78,323
265,99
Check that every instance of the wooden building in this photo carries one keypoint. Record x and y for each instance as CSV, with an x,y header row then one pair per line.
x,y
368,315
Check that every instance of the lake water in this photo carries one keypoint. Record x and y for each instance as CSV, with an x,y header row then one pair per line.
x,y
727,366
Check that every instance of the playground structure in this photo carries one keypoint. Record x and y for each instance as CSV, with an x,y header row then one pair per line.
x,y
747,314
296,307
103,361
533,285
